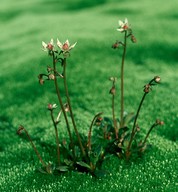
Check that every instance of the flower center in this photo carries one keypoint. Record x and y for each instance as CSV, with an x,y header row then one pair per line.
x,y
50,46
125,27
65,46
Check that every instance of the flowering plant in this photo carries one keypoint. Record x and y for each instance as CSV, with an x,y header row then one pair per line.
x,y
85,152
122,140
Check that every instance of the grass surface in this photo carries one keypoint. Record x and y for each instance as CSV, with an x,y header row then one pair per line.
x,y
24,24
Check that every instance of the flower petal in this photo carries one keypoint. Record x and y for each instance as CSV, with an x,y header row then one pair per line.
x,y
44,44
121,29
67,42
126,21
59,44
72,46
52,42
121,23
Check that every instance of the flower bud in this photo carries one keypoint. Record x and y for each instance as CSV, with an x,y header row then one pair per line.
x,y
112,90
115,45
66,107
147,88
133,39
157,79
113,79
159,122
40,77
51,76
49,69
98,121
20,129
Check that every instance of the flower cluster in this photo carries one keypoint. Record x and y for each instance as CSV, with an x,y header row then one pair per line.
x,y
123,25
64,47
86,153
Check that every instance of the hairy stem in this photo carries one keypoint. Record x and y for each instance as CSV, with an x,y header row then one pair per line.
x,y
57,138
70,108
134,125
62,106
113,113
34,148
149,131
90,130
122,81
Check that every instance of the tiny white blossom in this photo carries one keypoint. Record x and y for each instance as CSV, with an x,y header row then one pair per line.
x,y
65,47
52,106
49,46
123,25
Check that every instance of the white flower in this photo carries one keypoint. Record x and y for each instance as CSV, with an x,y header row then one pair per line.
x,y
65,47
52,106
49,46
123,25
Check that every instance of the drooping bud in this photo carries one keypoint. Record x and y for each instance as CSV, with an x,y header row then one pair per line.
x,y
113,79
66,107
41,80
133,39
147,88
157,79
49,69
98,121
51,76
159,122
115,45
20,129
112,90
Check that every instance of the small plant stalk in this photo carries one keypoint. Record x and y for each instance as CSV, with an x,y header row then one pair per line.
x,y
112,91
134,125
122,81
149,131
147,89
62,106
70,107
57,137
34,148
90,130
114,118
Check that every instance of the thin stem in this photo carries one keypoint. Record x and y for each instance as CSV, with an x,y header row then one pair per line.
x,y
135,121
57,137
122,81
113,113
146,91
70,107
149,131
62,106
34,148
90,130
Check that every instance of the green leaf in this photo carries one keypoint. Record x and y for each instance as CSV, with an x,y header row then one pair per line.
x,y
62,168
41,170
83,164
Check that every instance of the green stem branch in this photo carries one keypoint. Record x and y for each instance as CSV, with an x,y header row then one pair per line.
x,y
134,125
62,106
34,148
122,81
90,130
57,137
70,107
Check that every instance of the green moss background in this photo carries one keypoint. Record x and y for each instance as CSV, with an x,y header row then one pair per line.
x,y
24,24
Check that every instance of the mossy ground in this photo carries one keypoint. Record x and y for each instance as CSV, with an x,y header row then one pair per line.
x,y
24,24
